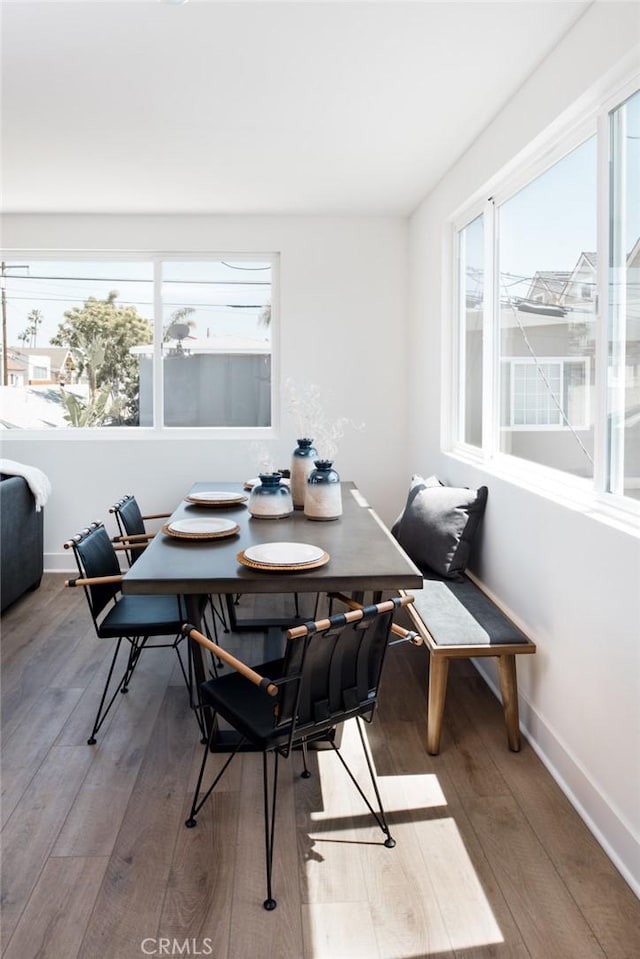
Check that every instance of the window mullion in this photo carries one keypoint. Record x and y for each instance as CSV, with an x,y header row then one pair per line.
x,y
158,366
491,313
616,305
460,372
603,311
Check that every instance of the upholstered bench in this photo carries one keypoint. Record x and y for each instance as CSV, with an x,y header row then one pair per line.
x,y
454,618
457,620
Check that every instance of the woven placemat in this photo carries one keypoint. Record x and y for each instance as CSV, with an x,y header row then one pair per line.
x,y
217,503
223,534
291,568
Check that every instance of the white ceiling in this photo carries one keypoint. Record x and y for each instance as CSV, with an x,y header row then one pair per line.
x,y
137,106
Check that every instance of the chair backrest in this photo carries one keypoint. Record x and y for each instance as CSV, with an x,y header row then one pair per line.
x,y
96,556
332,670
130,522
128,516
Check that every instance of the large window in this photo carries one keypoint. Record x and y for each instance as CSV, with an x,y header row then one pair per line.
x,y
160,343
548,366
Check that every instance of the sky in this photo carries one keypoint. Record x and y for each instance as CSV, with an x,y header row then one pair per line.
x,y
552,220
227,299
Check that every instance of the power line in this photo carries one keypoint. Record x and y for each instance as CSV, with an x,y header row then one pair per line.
x,y
124,279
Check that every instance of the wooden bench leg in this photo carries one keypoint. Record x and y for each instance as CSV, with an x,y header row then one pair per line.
x,y
509,691
438,673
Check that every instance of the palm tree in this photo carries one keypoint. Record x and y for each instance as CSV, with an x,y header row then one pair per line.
x,y
30,334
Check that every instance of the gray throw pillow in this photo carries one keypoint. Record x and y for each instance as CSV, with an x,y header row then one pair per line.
x,y
438,525
417,481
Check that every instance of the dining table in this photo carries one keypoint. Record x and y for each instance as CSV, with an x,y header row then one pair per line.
x,y
353,554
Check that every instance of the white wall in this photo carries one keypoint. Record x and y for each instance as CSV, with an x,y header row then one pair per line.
x,y
343,318
572,580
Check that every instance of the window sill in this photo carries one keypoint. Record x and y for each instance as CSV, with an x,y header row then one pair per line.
x,y
567,491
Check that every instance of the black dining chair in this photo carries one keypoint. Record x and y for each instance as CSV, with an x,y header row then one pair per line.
x,y
133,538
329,673
134,619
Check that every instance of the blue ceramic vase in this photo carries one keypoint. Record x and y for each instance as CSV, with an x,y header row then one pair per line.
x,y
270,498
302,461
323,499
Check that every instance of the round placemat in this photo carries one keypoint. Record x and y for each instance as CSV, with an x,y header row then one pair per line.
x,y
269,567
224,499
221,534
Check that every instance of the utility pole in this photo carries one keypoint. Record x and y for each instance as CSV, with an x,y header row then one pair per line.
x,y
5,350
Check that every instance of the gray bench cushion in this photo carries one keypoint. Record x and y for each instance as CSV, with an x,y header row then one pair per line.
x,y
457,613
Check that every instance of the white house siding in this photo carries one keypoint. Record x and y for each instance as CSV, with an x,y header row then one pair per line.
x,y
570,578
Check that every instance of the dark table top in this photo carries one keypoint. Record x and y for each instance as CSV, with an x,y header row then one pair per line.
x,y
363,554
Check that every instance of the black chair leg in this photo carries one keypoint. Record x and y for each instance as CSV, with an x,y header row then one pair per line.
x,y
379,817
195,805
305,774
269,822
101,715
218,614
137,645
189,678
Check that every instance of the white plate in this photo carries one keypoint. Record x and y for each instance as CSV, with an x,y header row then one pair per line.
x,y
202,527
216,496
283,554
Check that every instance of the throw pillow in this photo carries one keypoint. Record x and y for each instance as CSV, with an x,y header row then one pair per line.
x,y
417,483
438,525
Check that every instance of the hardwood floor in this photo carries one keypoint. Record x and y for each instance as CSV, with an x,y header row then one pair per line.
x,y
490,861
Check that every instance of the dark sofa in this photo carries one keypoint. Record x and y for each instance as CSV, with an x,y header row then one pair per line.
x,y
21,540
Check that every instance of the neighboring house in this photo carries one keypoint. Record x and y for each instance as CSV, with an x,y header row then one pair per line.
x,y
548,368
17,370
582,284
213,381
40,366
547,286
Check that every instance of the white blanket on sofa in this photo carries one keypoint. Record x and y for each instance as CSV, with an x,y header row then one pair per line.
x,y
38,481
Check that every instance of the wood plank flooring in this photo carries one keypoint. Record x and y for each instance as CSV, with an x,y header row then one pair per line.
x,y
490,861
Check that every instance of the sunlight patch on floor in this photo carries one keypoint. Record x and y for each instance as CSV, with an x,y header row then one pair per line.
x,y
463,904
352,880
398,792
339,931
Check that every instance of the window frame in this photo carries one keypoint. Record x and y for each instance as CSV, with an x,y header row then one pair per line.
x,y
591,118
561,362
159,430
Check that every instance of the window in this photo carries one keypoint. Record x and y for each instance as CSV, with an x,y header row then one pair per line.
x,y
158,343
548,373
546,236
546,394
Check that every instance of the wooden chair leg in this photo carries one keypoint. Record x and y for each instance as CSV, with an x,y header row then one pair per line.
x,y
509,691
438,673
